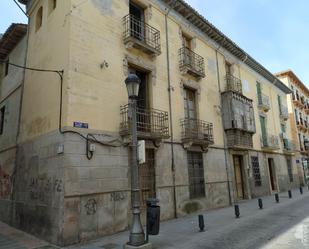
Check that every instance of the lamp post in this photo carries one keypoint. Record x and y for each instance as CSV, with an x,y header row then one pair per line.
x,y
137,236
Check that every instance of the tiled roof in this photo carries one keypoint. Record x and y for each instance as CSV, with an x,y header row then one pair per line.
x,y
11,38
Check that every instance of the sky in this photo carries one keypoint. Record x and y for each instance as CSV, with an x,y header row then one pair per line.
x,y
274,32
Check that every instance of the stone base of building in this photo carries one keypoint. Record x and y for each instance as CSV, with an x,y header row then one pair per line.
x,y
61,196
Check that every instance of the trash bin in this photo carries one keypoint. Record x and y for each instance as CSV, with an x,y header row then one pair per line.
x,y
153,216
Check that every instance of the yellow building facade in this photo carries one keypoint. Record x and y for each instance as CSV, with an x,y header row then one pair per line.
x,y
298,110
212,117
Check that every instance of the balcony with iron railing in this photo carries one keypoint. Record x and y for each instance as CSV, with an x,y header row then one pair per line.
x,y
151,123
197,132
301,124
270,142
284,113
140,35
233,84
297,101
191,63
288,145
263,102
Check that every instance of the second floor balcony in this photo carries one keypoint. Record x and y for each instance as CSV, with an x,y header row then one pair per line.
x,y
141,36
288,145
197,132
297,101
263,102
152,124
284,113
191,63
233,84
270,142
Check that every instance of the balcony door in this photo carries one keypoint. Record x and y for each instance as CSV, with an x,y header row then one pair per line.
x,y
263,130
143,116
137,21
190,112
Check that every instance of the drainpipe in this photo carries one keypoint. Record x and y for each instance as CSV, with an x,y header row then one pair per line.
x,y
170,109
224,136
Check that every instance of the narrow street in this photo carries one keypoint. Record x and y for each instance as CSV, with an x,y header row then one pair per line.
x,y
277,226
283,225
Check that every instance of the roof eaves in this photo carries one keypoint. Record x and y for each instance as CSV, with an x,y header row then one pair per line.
x,y
214,33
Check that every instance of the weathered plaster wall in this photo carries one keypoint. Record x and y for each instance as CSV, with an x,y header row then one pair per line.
x,y
38,187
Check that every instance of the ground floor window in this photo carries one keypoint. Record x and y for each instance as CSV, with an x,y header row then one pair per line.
x,y
256,171
289,165
196,175
147,177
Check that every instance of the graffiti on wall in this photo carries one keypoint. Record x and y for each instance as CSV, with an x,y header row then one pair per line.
x,y
118,196
91,207
40,188
5,184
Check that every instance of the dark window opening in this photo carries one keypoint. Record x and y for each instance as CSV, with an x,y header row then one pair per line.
x,y
39,19
2,111
6,68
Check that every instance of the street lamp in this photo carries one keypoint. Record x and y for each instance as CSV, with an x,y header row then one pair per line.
x,y
137,236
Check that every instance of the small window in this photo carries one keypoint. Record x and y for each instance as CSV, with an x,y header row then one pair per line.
x,y
6,68
39,19
2,111
256,171
196,175
52,4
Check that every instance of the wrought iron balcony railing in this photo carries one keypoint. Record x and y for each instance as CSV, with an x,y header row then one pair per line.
x,y
197,131
141,35
233,84
151,123
191,63
270,142
288,145
284,113
263,102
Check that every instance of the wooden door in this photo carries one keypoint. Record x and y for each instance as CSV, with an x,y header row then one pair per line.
x,y
272,174
238,177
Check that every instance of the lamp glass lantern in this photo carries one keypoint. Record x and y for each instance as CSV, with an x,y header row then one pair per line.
x,y
132,84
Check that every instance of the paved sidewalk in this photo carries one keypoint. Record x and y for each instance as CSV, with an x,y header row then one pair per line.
x,y
11,238
276,226
254,229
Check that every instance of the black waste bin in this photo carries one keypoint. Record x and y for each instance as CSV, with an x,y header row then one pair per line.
x,y
153,216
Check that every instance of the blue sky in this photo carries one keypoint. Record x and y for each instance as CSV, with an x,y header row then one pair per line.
x,y
274,32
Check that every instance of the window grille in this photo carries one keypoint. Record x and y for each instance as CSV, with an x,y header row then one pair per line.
x,y
289,165
147,177
196,175
256,171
